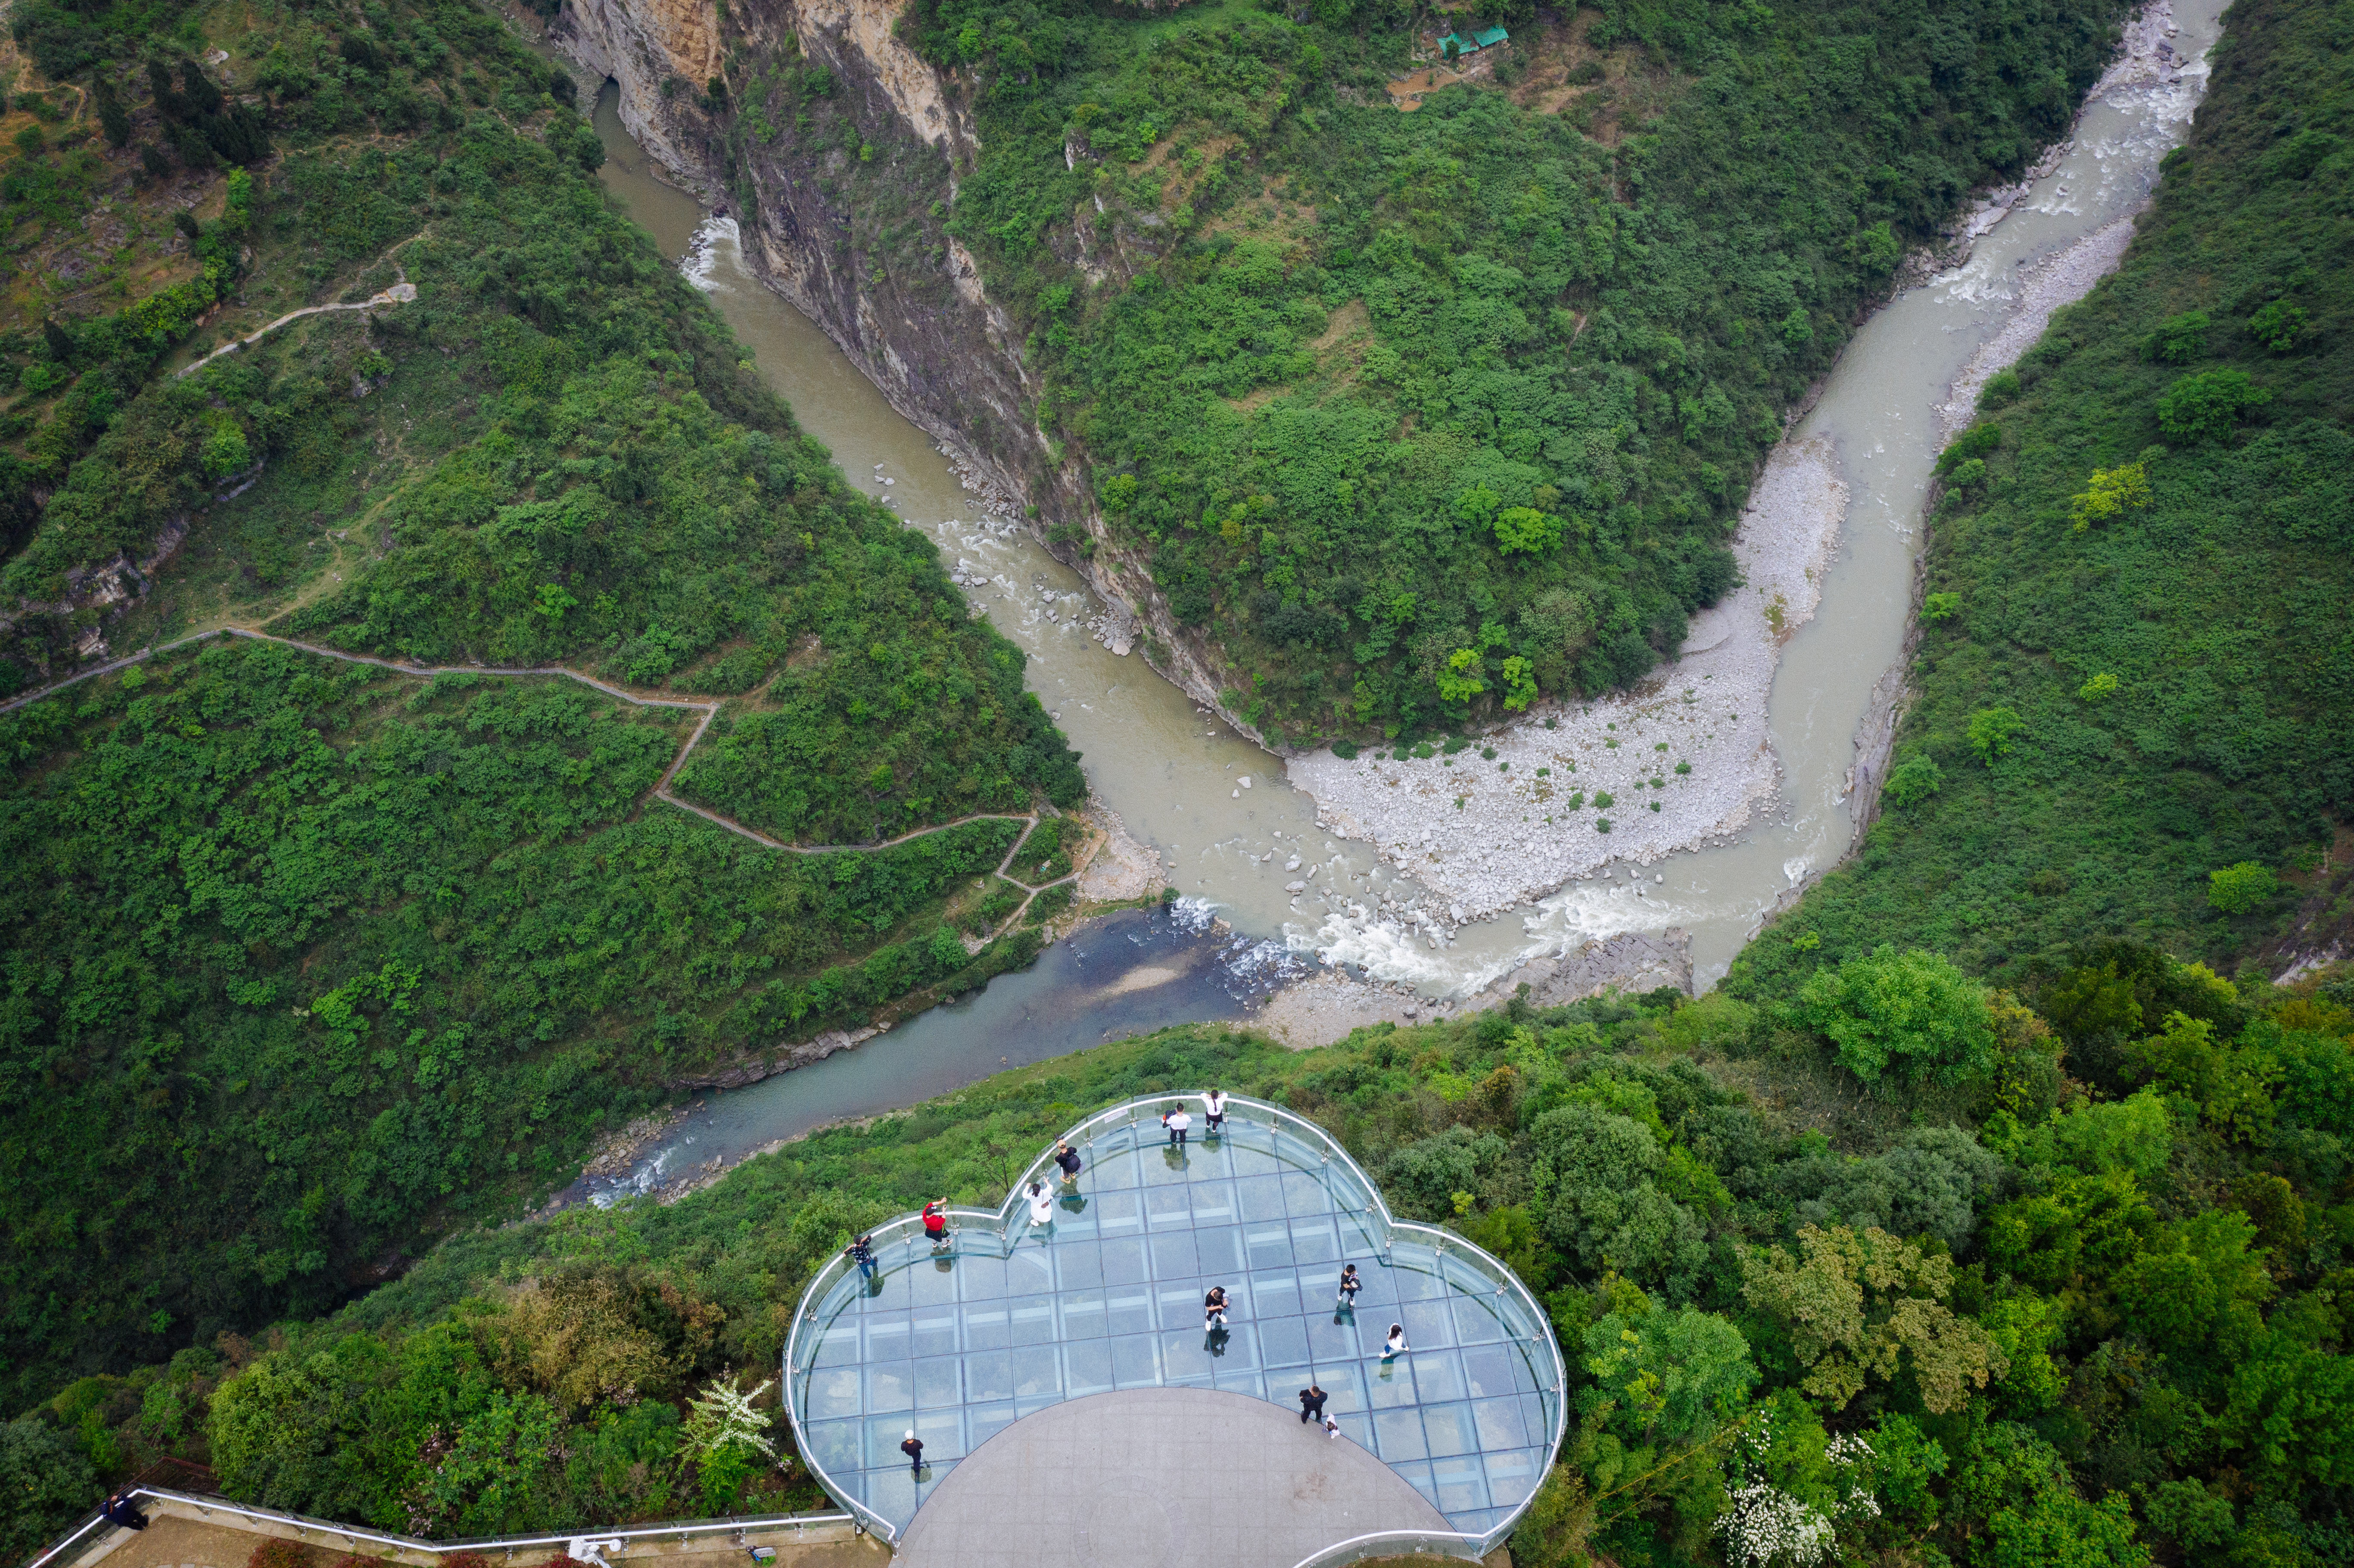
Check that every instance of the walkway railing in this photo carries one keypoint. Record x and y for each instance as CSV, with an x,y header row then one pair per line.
x,y
328,1532
1003,1231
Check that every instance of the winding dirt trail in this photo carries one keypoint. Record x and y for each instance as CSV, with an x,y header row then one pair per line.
x,y
662,789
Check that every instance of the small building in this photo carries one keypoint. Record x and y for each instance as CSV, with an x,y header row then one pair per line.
x,y
1465,48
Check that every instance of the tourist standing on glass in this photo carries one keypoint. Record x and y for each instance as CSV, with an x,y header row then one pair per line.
x,y
1066,1160
1349,1286
935,1222
862,1252
914,1448
1311,1404
1214,1308
1175,1120
1042,1205
1217,1127
1395,1345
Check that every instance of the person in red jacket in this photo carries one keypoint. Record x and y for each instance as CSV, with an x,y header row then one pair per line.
x,y
935,1222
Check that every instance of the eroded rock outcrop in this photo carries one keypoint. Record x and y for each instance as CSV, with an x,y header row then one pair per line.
x,y
857,238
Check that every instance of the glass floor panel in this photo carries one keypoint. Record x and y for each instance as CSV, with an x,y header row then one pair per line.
x,y
961,1343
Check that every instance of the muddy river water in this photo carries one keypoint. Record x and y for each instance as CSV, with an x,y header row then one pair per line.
x,y
1176,775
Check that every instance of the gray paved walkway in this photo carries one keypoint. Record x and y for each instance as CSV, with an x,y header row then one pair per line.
x,y
1159,1477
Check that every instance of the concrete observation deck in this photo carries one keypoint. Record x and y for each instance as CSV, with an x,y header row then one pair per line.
x,y
1155,1476
1071,1403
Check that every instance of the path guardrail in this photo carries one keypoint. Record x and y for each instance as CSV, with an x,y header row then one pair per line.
x,y
328,1532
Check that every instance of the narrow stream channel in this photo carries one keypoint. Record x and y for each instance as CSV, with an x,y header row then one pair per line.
x,y
1176,775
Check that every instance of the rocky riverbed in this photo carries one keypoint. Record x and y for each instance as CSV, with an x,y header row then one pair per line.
x,y
1685,759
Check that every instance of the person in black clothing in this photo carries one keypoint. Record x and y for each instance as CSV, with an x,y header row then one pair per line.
x,y
1349,1286
1214,1308
913,1446
862,1252
1311,1404
120,1509
1066,1158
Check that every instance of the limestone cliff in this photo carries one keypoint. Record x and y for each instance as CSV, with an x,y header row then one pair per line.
x,y
840,191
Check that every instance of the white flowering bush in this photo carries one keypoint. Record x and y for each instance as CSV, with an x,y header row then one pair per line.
x,y
1767,1528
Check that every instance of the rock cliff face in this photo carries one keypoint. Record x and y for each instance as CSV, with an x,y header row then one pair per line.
x,y
841,192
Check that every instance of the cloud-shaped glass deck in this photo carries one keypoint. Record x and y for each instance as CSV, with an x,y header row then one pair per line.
x,y
1016,1318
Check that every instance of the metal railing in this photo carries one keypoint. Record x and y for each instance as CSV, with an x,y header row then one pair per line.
x,y
304,1527
1405,1544
1003,1231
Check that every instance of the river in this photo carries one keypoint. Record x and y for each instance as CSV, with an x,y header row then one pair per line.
x,y
1176,775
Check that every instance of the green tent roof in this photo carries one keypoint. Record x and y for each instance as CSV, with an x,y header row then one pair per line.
x,y
1476,42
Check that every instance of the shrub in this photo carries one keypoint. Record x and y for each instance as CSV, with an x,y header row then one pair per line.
x,y
1991,731
2003,386
1914,1012
2277,326
1939,607
1975,442
1913,782
2113,491
2099,688
2237,889
2178,340
2206,406
1346,750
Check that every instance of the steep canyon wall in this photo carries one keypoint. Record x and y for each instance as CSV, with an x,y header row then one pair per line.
x,y
837,150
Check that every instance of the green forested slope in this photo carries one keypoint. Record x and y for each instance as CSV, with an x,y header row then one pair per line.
x,y
1424,414
2090,1324
303,956
2178,673
303,962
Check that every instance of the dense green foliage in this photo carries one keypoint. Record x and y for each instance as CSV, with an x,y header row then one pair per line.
x,y
1858,1249
586,469
1422,415
2145,680
2023,1307
306,961
302,955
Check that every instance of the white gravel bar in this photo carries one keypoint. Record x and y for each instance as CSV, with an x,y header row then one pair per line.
x,y
1484,835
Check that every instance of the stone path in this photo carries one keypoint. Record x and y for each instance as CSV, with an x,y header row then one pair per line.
x,y
1156,1477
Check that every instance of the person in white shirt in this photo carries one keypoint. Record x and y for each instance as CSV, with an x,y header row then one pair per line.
x,y
1332,1428
1217,1115
1178,1123
1042,1205
1395,1345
